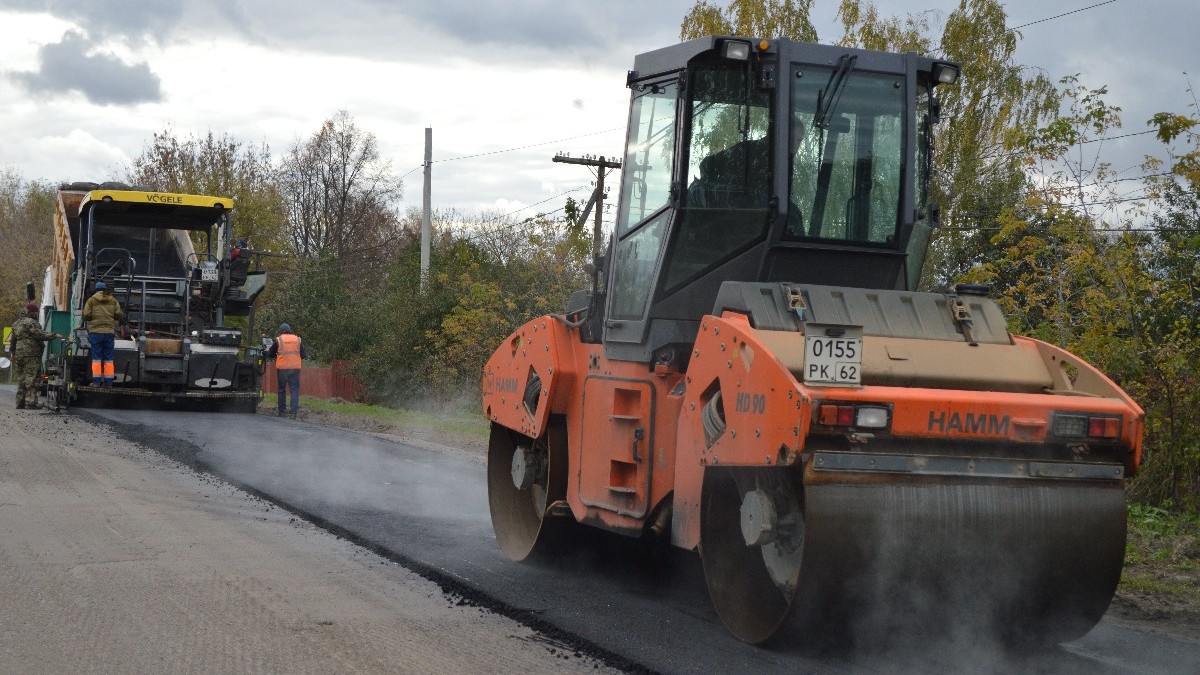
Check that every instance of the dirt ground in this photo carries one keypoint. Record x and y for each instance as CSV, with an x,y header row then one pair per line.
x,y
1160,592
118,559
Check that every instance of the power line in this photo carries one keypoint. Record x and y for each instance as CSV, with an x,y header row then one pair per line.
x,y
510,226
1189,230
1059,16
526,147
942,50
1111,138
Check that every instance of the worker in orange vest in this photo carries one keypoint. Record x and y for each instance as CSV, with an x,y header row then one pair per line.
x,y
288,352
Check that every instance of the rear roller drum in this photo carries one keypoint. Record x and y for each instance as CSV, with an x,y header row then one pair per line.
x,y
526,477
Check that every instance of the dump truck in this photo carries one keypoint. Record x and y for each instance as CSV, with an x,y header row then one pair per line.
x,y
755,376
177,348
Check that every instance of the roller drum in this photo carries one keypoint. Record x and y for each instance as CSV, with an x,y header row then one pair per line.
x,y
887,558
1020,562
526,477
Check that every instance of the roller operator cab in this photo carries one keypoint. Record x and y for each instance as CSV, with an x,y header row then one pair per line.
x,y
757,378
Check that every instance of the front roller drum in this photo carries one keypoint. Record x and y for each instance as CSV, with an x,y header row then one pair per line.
x,y
527,480
1016,562
751,546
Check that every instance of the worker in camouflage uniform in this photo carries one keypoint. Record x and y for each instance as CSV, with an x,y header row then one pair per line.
x,y
102,313
26,344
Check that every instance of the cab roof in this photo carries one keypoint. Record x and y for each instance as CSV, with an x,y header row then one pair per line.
x,y
161,209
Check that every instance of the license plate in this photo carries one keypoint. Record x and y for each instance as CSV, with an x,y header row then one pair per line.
x,y
833,357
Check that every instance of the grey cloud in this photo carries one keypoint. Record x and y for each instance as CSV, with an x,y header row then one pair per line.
x,y
517,32
102,78
527,22
133,20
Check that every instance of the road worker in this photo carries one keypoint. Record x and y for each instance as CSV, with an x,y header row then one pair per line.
x,y
26,346
102,313
288,352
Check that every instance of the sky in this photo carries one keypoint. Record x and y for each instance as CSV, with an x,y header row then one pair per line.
x,y
504,85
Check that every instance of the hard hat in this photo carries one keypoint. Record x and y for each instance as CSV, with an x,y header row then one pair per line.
x,y
100,285
32,308
284,328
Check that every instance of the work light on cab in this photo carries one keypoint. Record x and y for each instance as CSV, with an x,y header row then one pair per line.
x,y
738,50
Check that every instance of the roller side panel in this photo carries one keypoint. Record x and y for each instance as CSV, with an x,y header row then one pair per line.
x,y
530,376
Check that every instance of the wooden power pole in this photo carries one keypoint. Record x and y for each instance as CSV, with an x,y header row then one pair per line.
x,y
597,199
426,215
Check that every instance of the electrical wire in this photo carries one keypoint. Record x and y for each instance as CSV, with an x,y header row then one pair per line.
x,y
1059,16
524,147
479,235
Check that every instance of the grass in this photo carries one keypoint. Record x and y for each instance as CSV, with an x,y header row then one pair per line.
x,y
1147,583
1162,556
469,423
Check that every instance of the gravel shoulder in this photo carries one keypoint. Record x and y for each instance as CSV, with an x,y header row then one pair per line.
x,y
117,559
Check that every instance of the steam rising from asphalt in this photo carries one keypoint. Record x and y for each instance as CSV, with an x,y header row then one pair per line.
x,y
355,472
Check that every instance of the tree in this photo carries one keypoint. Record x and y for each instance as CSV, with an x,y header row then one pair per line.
x,y
987,120
339,193
219,166
863,27
27,230
1169,388
1074,175
490,275
750,18
529,269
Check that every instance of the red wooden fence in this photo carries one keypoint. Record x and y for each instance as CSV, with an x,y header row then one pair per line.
x,y
332,382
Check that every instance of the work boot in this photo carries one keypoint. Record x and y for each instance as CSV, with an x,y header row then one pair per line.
x,y
293,415
281,413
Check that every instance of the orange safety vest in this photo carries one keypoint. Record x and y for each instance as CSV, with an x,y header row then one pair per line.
x,y
287,356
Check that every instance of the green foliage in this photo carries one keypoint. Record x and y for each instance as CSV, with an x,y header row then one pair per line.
x,y
219,166
1162,554
1175,130
750,18
986,120
429,346
26,228
1127,301
317,299
863,27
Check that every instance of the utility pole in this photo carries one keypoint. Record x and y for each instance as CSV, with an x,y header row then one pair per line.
x,y
426,215
597,199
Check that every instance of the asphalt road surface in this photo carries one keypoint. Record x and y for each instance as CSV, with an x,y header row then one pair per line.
x,y
631,607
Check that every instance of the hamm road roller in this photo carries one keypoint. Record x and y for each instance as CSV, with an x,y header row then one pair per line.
x,y
755,377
